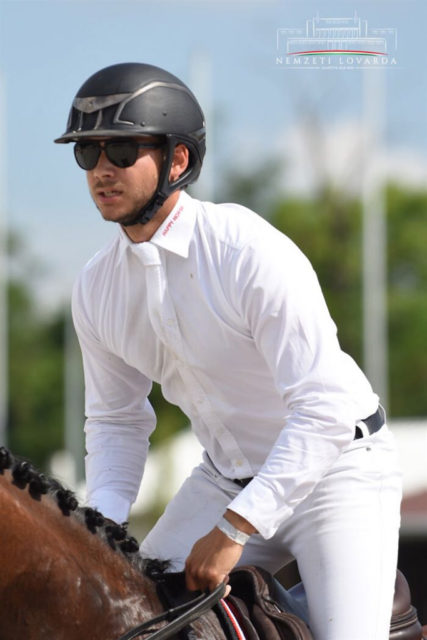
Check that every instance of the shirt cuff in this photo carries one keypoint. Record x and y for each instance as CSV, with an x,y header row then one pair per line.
x,y
111,505
262,507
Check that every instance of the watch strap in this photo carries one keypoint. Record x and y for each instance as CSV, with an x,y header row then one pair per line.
x,y
231,532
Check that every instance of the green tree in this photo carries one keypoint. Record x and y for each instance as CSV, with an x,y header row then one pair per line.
x,y
35,420
407,299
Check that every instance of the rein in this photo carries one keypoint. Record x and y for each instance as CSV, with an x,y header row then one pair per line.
x,y
180,616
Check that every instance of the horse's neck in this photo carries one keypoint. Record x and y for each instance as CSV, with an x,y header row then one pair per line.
x,y
58,581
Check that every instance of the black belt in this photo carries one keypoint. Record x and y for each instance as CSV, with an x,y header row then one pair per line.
x,y
373,423
242,482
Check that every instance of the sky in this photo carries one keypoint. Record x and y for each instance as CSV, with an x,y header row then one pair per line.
x,y
312,118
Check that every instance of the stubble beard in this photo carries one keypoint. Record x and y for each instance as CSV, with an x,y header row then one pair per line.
x,y
126,219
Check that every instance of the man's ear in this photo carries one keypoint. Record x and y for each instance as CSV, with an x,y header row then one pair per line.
x,y
181,158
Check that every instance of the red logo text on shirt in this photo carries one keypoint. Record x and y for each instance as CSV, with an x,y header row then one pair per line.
x,y
172,221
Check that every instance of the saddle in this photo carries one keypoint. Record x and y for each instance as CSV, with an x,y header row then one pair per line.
x,y
277,614
264,610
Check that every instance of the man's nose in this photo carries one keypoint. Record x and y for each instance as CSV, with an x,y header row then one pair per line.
x,y
104,165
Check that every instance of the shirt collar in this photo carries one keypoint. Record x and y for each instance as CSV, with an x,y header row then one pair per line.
x,y
175,233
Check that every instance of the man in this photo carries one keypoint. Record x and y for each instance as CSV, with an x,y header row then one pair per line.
x,y
227,314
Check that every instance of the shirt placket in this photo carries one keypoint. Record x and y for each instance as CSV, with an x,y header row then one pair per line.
x,y
164,321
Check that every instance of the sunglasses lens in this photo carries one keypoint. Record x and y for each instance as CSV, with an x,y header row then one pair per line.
x,y
122,153
87,154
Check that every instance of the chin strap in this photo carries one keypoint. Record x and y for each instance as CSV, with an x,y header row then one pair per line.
x,y
164,187
163,190
145,214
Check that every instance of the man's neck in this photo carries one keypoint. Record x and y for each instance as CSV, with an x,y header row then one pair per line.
x,y
144,232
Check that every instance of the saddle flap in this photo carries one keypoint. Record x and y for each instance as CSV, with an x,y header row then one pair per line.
x,y
256,587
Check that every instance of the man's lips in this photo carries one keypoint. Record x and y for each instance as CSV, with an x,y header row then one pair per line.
x,y
108,194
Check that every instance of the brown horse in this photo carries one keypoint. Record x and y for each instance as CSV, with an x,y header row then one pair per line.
x,y
66,573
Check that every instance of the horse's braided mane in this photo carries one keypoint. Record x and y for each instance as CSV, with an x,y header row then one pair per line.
x,y
24,475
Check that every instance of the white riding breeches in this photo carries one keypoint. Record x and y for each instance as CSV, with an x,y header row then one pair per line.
x,y
344,536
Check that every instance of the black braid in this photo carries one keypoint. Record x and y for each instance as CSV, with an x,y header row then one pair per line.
x,y
6,459
115,532
93,519
115,535
156,568
67,501
23,473
39,486
130,545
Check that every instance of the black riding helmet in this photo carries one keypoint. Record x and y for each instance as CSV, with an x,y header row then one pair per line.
x,y
134,99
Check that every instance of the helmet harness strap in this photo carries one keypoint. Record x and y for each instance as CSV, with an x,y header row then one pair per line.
x,y
147,212
164,188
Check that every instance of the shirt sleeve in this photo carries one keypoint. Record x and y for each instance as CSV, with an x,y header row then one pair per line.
x,y
279,297
119,421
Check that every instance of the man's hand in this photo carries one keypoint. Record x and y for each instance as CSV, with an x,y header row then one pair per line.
x,y
214,556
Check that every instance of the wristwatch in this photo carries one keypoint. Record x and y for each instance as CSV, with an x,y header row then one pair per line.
x,y
231,532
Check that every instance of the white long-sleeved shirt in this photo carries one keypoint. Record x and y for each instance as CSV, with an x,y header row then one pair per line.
x,y
240,339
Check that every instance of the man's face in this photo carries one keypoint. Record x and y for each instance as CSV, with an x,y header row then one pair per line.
x,y
119,194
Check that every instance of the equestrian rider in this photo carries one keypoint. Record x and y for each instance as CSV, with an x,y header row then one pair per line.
x,y
226,313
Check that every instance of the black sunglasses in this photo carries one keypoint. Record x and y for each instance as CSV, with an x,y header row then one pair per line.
x,y
121,153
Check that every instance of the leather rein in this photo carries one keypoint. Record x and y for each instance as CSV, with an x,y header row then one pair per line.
x,y
179,617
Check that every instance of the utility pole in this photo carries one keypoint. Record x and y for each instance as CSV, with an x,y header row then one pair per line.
x,y
375,332
4,351
201,83
74,401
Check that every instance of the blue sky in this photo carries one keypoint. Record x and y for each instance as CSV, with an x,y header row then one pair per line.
x,y
254,107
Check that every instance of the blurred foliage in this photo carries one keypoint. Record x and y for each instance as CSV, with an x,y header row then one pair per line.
x,y
407,301
36,389
328,230
170,418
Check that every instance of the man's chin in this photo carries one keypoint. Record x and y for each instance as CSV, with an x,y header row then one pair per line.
x,y
125,219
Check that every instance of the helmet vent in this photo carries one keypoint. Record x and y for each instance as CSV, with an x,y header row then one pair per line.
x,y
95,103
